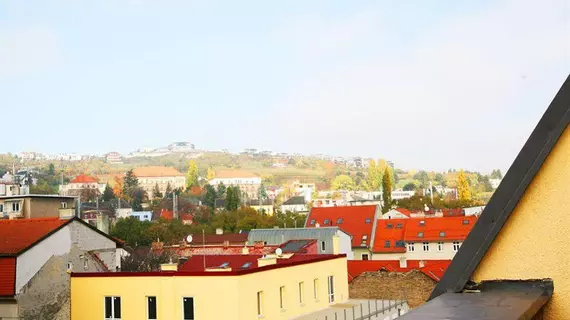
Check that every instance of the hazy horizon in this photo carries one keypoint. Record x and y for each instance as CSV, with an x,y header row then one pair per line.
x,y
435,85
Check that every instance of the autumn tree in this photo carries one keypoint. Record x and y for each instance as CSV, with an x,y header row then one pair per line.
x,y
210,173
88,194
108,193
343,182
374,177
387,190
192,175
463,186
118,187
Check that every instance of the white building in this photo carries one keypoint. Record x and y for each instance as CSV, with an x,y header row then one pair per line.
x,y
295,204
248,183
80,183
401,194
114,157
149,177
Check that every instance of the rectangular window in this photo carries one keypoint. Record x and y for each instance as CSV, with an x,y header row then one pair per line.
x,y
112,308
151,308
326,221
426,246
456,246
64,205
387,244
323,246
301,292
411,247
282,298
422,223
316,289
15,206
440,246
1,207
399,226
442,234
188,308
365,256
260,303
389,226
339,221
465,221
331,289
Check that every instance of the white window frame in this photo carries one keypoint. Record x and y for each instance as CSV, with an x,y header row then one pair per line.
x,y
16,205
64,205
426,246
440,246
411,247
112,307
147,309
456,246
331,289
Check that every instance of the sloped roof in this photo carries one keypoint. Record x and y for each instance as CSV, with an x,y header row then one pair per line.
x,y
507,196
358,221
228,174
297,200
238,262
278,236
19,234
156,171
83,178
432,268
404,211
391,230
438,229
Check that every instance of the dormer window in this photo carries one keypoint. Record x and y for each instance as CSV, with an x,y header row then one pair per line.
x,y
465,221
399,226
420,234
339,221
326,221
422,223
368,220
442,234
389,226
313,222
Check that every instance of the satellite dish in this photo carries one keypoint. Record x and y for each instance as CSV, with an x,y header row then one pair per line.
x,y
278,251
189,238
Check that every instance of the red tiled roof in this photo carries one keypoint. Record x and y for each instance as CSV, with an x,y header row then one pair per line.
x,y
454,228
356,220
18,235
404,211
232,238
7,276
236,262
432,268
83,178
391,230
166,214
217,250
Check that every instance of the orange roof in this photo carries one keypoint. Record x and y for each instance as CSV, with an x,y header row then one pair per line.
x,y
224,174
167,214
354,220
7,276
389,236
404,211
83,178
438,229
19,234
432,268
156,172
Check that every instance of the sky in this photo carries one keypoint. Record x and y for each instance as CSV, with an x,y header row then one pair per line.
x,y
426,84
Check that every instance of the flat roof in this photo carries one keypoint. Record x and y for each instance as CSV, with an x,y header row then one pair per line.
x,y
233,272
54,196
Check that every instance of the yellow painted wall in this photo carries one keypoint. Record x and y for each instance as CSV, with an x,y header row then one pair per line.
x,y
533,243
359,251
215,297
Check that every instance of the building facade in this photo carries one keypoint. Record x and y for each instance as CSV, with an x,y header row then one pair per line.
x,y
37,206
149,177
80,183
247,182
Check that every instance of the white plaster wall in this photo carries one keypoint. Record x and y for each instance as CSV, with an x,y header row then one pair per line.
x,y
31,261
345,245
394,214
420,254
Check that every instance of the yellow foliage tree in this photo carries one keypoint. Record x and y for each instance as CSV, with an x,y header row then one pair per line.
x,y
463,186
210,174
118,186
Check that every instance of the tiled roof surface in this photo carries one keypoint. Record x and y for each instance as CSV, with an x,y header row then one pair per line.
x,y
432,268
217,250
166,214
7,276
404,211
83,178
17,235
238,262
157,172
439,229
228,174
392,231
355,220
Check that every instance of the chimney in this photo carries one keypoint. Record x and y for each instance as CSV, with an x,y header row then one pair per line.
x,y
336,244
403,262
266,261
422,263
245,250
219,231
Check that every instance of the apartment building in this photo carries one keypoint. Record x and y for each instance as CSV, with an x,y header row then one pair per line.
x,y
279,286
247,182
149,177
36,206
80,183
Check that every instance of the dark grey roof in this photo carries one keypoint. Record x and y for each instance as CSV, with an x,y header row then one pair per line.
x,y
490,300
295,245
266,202
519,176
295,201
113,204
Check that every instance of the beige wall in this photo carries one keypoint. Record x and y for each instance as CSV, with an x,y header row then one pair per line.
x,y
533,243
419,254
148,183
359,251
8,310
44,207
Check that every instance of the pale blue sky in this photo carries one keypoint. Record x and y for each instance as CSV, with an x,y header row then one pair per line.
x,y
428,84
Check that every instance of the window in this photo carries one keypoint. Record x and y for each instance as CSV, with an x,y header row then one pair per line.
x,y
465,221
440,246
365,256
368,220
422,223
326,221
399,226
339,221
316,289
112,308
260,303
400,244
363,241
442,234
188,308
1,207
64,205
282,298
323,246
301,292
426,246
411,247
331,289
389,226
456,246
15,206
420,234
151,308
387,244
313,222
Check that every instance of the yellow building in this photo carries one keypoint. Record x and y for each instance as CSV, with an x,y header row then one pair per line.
x,y
514,263
230,287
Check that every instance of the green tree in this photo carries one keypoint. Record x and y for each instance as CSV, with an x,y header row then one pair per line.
x,y
221,191
130,181
410,186
440,179
156,194
463,186
138,196
108,193
262,193
423,178
496,174
133,231
343,182
387,190
209,198
192,175
168,191
51,170
42,187
233,196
